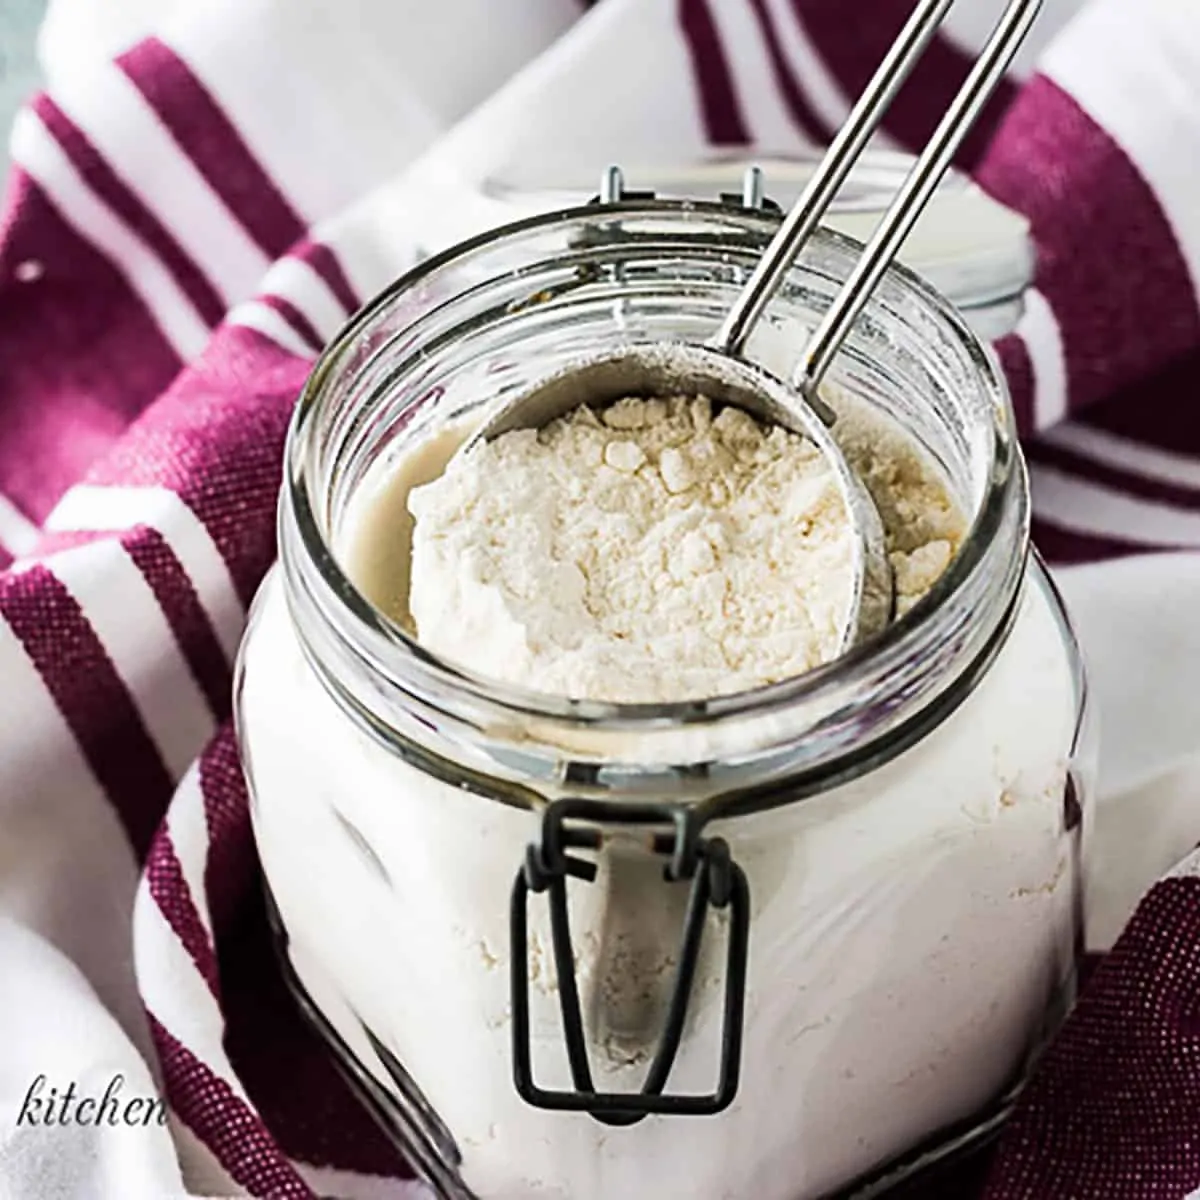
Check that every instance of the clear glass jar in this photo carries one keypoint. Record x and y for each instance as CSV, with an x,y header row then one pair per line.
x,y
882,856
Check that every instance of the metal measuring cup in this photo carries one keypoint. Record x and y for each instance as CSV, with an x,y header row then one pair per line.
x,y
715,369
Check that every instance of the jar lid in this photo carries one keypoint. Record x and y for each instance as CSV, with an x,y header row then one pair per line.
x,y
970,247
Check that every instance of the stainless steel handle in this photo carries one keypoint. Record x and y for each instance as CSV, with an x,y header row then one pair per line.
x,y
840,158
820,190
915,192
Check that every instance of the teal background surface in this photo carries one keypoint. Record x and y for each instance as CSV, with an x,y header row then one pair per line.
x,y
19,20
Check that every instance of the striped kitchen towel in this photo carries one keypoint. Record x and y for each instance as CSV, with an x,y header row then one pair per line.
x,y
198,200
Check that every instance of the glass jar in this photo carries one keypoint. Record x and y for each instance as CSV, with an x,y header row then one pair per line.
x,y
790,943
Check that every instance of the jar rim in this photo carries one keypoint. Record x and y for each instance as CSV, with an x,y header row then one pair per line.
x,y
386,646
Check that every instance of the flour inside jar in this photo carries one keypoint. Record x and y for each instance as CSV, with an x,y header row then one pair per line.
x,y
655,551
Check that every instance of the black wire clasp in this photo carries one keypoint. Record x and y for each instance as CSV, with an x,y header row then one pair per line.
x,y
716,880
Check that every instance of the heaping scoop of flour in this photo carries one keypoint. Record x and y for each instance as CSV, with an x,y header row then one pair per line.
x,y
651,552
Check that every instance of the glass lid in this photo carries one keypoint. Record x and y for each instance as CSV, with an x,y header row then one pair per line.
x,y
973,249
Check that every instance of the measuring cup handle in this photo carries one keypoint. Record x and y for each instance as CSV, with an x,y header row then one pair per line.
x,y
845,149
915,192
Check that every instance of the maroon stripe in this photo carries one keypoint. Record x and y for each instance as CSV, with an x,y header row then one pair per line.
x,y
1018,373
209,138
224,1122
180,603
1159,410
1127,482
1112,1110
1066,547
283,1066
300,324
853,48
231,872
91,695
1109,264
719,107
164,878
215,438
324,261
802,113
105,182
177,597
79,353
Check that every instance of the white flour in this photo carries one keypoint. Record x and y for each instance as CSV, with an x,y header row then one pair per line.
x,y
648,553
654,553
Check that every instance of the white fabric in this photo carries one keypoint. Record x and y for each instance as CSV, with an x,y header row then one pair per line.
x,y
55,1026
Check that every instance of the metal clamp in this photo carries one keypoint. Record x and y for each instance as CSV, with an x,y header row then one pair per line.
x,y
613,191
716,881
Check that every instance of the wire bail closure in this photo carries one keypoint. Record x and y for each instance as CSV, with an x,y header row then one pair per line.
x,y
716,881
